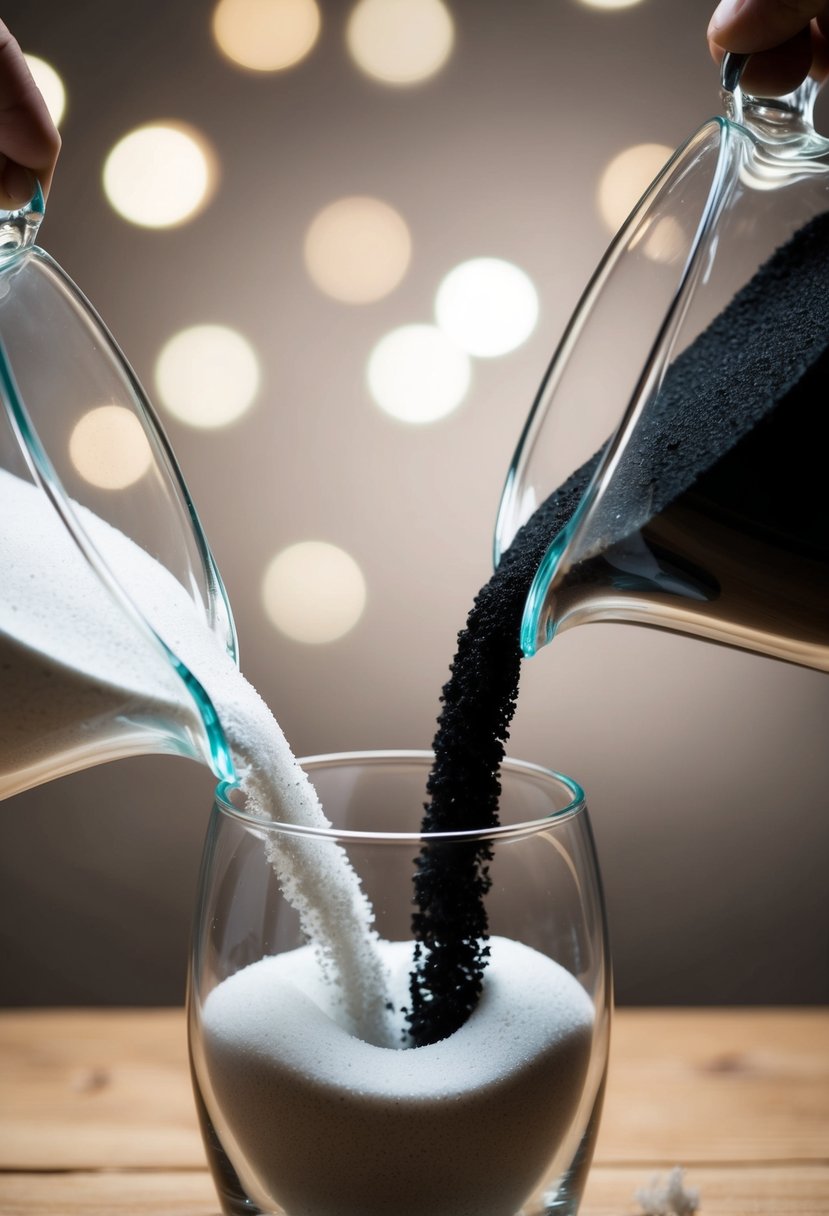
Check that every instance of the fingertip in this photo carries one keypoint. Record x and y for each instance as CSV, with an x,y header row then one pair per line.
x,y
45,175
820,48
716,51
17,185
723,17
777,72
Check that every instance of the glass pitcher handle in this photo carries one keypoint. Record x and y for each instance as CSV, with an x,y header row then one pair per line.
x,y
18,228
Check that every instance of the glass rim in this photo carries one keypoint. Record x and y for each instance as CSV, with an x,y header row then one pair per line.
x,y
576,804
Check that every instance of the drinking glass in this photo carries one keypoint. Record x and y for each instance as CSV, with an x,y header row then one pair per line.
x,y
302,1117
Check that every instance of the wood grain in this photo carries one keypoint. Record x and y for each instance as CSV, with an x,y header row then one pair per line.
x,y
96,1089
773,1190
97,1117
798,1190
717,1085
127,1193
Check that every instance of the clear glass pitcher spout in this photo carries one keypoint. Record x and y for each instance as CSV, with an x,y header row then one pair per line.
x,y
106,571
684,402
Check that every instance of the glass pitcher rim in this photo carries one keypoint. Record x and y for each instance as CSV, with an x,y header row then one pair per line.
x,y
19,253
19,227
576,805
724,136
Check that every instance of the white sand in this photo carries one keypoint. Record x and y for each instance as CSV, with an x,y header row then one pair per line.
x,y
71,659
328,1125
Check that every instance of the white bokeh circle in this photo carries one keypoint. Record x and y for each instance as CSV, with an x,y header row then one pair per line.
x,y
417,374
108,447
400,42
160,175
207,376
488,306
266,35
357,249
313,592
625,179
51,86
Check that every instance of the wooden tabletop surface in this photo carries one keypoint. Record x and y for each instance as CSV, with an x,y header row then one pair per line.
x,y
96,1113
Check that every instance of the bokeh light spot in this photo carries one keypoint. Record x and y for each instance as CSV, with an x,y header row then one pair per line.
x,y
417,374
313,592
625,180
266,35
51,86
400,42
160,175
666,241
609,4
108,447
487,305
207,376
357,249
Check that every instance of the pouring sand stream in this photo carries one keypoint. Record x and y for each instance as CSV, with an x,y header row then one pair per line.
x,y
69,654
296,1042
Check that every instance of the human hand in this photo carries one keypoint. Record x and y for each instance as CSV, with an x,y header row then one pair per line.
x,y
29,141
788,40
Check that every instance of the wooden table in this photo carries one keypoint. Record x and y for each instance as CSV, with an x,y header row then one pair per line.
x,y
96,1114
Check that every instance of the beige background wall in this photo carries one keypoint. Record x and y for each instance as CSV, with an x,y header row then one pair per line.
x,y
706,770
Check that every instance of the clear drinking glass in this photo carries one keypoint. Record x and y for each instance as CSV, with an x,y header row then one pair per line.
x,y
301,1117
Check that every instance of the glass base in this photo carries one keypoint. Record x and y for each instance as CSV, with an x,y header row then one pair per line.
x,y
565,1199
562,1200
231,1194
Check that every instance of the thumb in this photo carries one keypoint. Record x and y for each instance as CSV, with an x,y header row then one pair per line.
x,y
746,26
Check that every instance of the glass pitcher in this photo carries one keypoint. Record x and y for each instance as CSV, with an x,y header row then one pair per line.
x,y
96,530
700,348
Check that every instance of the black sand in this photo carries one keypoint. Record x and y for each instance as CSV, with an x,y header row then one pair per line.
x,y
769,343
